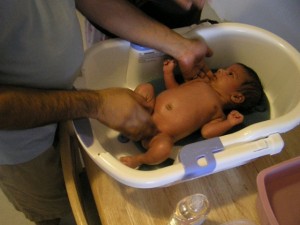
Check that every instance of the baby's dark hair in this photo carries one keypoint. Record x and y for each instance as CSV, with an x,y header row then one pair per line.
x,y
252,89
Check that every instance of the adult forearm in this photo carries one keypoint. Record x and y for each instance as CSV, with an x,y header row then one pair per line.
x,y
22,108
126,21
118,108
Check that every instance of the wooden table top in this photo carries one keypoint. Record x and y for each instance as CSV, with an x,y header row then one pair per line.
x,y
232,193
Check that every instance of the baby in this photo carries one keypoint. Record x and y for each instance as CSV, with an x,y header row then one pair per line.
x,y
199,103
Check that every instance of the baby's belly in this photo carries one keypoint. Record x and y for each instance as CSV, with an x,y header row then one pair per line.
x,y
178,122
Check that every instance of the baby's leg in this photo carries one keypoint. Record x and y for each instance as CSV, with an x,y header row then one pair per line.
x,y
147,91
159,150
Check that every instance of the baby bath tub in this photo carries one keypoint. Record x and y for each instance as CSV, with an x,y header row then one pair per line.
x,y
276,62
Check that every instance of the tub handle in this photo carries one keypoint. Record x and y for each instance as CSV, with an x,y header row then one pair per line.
x,y
198,158
83,129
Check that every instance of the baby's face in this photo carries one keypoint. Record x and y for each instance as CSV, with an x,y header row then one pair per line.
x,y
230,78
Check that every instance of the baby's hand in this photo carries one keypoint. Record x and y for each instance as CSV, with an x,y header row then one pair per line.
x,y
169,65
235,117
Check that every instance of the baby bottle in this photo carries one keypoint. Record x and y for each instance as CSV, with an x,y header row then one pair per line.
x,y
191,210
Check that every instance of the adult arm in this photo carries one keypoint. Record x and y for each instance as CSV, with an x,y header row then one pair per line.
x,y
118,108
126,21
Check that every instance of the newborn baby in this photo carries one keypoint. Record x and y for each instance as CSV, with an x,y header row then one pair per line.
x,y
199,103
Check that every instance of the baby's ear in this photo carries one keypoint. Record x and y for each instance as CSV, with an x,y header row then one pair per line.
x,y
237,97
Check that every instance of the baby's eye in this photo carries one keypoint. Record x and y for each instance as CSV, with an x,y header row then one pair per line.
x,y
230,73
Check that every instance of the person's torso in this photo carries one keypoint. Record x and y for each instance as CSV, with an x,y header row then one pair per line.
x,y
40,47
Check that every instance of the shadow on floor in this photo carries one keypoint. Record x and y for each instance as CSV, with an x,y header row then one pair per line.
x,y
88,201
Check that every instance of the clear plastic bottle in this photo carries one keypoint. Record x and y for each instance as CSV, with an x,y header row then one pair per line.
x,y
240,222
191,210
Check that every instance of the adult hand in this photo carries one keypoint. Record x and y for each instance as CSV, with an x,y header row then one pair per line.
x,y
125,111
120,16
187,4
191,60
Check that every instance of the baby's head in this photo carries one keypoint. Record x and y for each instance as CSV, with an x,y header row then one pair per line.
x,y
252,89
240,85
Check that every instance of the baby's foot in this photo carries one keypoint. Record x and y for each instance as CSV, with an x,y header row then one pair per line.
x,y
130,161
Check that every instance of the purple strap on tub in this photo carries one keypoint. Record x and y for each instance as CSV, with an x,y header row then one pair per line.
x,y
190,154
139,47
84,130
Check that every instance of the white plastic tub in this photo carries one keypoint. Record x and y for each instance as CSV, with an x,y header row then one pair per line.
x,y
276,62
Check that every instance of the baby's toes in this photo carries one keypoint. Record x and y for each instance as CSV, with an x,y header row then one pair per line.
x,y
129,161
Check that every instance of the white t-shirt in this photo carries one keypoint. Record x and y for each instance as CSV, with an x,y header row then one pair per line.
x,y
40,47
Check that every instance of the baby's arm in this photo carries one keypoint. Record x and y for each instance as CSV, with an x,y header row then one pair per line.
x,y
169,78
219,126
